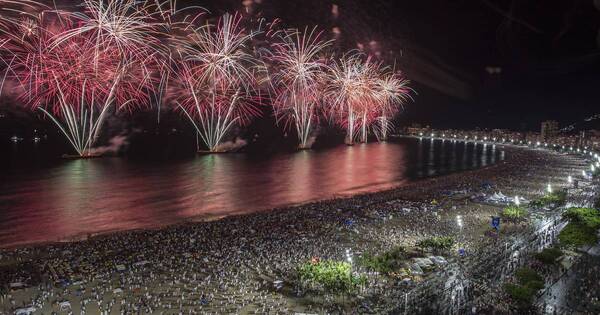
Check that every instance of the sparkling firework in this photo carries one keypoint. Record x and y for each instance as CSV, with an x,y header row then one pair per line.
x,y
219,76
82,121
361,93
351,94
297,81
76,65
127,25
393,91
61,79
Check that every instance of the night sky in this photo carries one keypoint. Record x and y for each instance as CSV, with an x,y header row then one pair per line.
x,y
474,63
547,51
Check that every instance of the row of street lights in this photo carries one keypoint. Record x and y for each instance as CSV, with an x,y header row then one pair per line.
x,y
513,141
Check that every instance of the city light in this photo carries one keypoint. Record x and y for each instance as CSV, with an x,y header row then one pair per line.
x,y
99,70
459,221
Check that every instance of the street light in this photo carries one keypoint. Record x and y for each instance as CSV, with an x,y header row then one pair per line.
x,y
348,256
459,221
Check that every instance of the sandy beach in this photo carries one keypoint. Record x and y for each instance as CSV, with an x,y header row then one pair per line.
x,y
231,265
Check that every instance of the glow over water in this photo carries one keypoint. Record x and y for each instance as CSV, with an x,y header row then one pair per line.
x,y
81,197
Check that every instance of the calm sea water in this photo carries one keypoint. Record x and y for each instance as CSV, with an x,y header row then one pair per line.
x,y
76,197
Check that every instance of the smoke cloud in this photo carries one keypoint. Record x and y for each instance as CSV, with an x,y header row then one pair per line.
x,y
115,144
230,146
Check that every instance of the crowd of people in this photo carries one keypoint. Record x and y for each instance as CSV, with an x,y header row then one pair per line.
x,y
236,265
585,294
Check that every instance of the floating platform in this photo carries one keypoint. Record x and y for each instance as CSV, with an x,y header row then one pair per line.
x,y
78,157
206,152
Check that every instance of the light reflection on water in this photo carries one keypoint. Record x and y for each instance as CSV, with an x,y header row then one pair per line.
x,y
79,197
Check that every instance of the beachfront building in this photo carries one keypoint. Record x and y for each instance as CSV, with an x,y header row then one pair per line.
x,y
549,130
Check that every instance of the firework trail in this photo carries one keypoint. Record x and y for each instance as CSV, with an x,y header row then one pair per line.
x,y
351,94
80,66
393,92
297,81
82,121
49,58
218,76
168,22
361,92
127,25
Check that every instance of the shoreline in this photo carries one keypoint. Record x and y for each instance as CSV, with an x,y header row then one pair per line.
x,y
83,237
234,262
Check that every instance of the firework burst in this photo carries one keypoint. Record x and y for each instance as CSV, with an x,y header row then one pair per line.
x,y
127,25
80,66
393,92
350,94
297,81
219,75
361,93
82,121
60,79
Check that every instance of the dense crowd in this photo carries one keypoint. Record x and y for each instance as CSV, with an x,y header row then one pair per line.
x,y
236,264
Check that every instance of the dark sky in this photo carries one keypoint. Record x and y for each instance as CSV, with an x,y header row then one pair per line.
x,y
547,52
